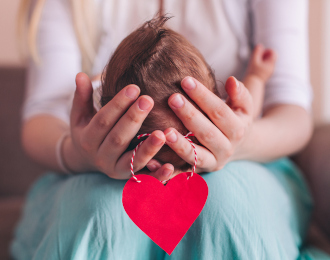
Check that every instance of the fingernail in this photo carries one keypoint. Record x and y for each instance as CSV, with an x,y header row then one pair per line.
x,y
132,92
152,167
189,83
171,137
144,104
177,101
167,172
156,141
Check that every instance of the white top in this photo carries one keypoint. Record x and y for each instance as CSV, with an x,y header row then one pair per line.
x,y
224,31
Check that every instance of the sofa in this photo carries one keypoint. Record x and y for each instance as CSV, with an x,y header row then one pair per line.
x,y
17,172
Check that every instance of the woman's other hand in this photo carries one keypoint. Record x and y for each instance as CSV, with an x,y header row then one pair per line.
x,y
260,69
222,133
262,63
98,140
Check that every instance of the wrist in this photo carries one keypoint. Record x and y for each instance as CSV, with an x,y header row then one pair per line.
x,y
59,152
72,159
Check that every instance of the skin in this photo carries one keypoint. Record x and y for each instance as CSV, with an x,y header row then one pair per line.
x,y
260,69
90,145
95,135
284,129
232,131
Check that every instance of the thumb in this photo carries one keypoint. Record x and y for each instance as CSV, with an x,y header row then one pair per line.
x,y
82,107
239,98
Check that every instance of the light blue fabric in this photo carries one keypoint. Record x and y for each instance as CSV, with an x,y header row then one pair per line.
x,y
312,254
253,211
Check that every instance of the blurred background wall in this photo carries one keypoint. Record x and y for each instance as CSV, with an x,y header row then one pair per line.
x,y
319,27
319,35
9,55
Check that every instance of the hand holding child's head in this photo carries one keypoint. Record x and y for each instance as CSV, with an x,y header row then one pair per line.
x,y
156,59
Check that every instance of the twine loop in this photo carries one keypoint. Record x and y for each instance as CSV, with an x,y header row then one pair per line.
x,y
146,135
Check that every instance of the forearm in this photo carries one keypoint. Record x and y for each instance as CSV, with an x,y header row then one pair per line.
x,y
283,130
40,135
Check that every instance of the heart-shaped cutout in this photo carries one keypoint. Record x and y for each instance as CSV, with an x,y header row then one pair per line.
x,y
165,212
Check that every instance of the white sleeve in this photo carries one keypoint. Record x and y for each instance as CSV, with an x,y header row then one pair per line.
x,y
283,26
50,84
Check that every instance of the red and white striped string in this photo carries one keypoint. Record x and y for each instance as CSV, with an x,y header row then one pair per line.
x,y
144,135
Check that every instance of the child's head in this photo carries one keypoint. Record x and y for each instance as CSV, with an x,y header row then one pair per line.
x,y
156,59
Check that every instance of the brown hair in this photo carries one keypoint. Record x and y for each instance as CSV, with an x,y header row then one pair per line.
x,y
156,59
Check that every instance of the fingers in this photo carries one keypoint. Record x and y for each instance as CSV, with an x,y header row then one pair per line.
x,y
149,148
82,107
118,139
269,55
217,110
204,130
153,165
164,173
260,55
269,58
107,116
239,97
219,133
184,149
262,63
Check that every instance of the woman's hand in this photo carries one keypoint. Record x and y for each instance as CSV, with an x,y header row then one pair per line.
x,y
98,140
222,133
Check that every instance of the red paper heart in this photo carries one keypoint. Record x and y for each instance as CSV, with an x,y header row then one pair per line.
x,y
165,213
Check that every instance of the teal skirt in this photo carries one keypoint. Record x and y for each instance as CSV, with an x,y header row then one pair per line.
x,y
253,211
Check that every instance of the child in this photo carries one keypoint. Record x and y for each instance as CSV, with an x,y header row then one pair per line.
x,y
156,59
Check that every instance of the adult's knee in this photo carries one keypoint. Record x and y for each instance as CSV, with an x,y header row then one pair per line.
x,y
239,220
91,195
239,189
94,213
